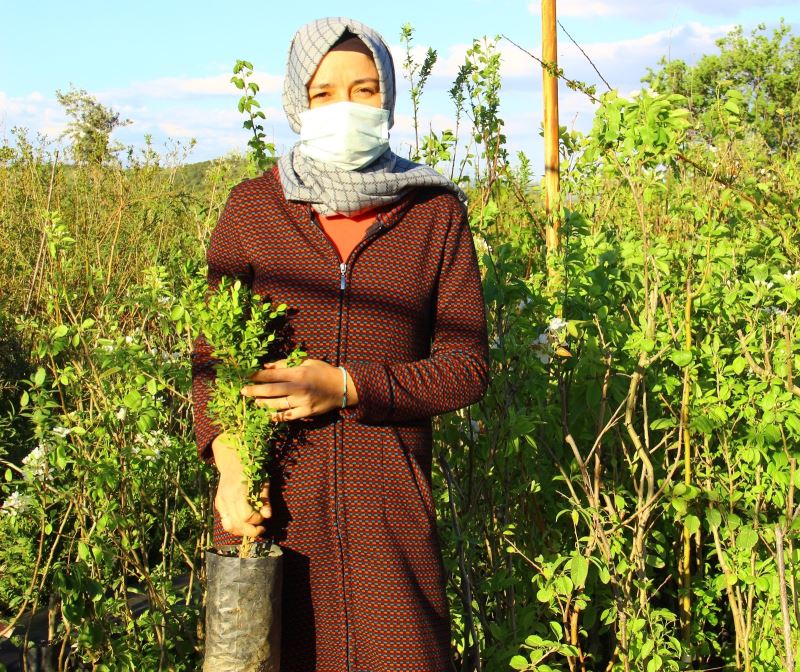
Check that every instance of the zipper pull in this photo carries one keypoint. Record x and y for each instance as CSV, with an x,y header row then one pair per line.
x,y
343,271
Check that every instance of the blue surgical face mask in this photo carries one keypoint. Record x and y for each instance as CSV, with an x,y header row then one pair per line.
x,y
345,135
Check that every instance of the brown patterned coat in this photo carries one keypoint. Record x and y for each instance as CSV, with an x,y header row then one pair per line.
x,y
364,586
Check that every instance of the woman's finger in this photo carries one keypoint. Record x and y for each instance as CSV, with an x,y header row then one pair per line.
x,y
240,529
280,389
248,530
273,375
251,527
255,518
266,508
294,413
277,404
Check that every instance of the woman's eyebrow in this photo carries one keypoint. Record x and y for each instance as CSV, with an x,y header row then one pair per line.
x,y
363,80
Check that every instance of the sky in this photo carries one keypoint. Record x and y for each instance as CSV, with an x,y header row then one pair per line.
x,y
165,65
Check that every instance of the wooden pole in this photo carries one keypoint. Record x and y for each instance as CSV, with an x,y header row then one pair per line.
x,y
551,157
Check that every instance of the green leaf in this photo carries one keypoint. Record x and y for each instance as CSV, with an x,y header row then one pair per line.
x,y
772,434
24,400
739,365
38,377
692,523
746,539
731,107
8,475
176,313
681,358
662,423
563,585
133,400
83,552
60,331
61,457
518,663
72,610
579,570
680,505
713,518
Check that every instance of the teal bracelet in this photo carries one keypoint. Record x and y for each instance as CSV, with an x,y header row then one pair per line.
x,y
344,391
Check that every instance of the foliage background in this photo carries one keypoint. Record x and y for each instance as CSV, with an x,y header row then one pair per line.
x,y
624,496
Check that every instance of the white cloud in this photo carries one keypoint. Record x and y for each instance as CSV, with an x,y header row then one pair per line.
x,y
191,87
177,131
216,126
691,38
34,112
635,9
216,131
178,108
620,61
403,129
577,8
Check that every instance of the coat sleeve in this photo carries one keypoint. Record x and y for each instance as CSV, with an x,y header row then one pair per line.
x,y
224,258
456,373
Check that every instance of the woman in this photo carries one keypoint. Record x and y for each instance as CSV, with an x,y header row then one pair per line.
x,y
374,256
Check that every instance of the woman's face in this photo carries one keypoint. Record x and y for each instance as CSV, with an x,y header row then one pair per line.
x,y
346,73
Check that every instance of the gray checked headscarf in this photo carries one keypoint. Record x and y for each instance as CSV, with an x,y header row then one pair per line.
x,y
329,189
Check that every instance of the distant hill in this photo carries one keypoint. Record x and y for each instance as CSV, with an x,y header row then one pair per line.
x,y
191,175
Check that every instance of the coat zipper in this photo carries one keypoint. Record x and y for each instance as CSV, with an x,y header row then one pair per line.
x,y
336,448
336,451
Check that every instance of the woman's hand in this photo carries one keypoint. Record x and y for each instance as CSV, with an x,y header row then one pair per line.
x,y
312,388
236,513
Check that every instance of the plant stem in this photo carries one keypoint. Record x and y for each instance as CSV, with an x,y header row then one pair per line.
x,y
43,240
685,561
787,624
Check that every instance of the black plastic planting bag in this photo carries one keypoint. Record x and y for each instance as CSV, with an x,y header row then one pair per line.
x,y
243,612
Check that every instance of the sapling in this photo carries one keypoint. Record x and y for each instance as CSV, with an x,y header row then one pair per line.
x,y
241,330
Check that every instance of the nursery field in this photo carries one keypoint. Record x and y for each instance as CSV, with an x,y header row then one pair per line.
x,y
625,497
